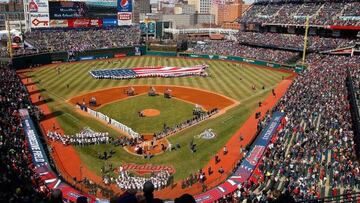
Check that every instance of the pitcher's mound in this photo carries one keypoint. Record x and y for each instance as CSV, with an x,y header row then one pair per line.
x,y
150,112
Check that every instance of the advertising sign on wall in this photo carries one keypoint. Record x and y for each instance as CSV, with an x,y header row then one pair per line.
x,y
38,6
83,13
83,22
58,23
39,20
109,22
37,13
151,27
143,27
82,9
148,27
67,10
124,15
124,6
124,18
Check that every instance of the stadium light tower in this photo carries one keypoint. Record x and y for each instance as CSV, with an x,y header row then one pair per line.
x,y
210,25
305,39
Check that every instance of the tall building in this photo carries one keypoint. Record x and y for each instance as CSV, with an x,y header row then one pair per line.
x,y
195,3
188,9
12,10
140,6
201,6
205,6
227,11
184,9
145,6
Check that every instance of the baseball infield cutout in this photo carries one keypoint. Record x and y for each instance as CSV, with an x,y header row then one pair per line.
x,y
207,99
150,112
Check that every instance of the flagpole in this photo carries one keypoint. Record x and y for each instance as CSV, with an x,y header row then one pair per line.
x,y
210,24
9,37
305,39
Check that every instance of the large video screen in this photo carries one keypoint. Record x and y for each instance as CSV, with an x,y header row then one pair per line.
x,y
60,10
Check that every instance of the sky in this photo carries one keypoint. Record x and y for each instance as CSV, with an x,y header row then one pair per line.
x,y
246,1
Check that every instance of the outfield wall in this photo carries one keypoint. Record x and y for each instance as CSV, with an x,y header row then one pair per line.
x,y
161,53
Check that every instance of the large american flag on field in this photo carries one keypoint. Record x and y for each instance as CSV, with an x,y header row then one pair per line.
x,y
166,71
157,71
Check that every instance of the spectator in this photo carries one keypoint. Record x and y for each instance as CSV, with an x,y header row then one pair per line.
x,y
18,179
185,198
148,190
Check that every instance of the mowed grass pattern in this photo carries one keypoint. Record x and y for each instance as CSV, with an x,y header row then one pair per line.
x,y
232,80
172,112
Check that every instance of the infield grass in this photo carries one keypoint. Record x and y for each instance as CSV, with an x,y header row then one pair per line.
x,y
172,111
232,80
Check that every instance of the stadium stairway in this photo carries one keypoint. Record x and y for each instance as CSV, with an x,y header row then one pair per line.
x,y
342,11
296,12
294,136
277,12
318,11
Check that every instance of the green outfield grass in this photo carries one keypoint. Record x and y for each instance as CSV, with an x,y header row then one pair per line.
x,y
172,111
234,81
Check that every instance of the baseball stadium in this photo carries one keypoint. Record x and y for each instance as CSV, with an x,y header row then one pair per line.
x,y
127,101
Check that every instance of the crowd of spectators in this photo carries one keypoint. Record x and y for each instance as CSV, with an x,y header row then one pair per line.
x,y
231,48
178,127
4,53
127,181
18,180
83,138
313,155
82,40
320,13
75,40
292,41
128,196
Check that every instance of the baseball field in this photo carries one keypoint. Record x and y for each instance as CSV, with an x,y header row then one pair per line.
x,y
59,83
